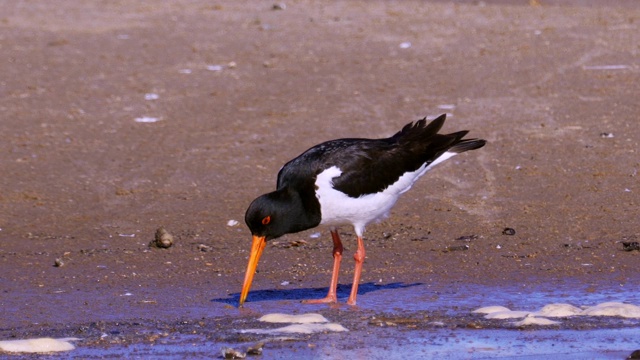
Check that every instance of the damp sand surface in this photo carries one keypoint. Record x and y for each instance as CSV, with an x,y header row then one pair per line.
x,y
122,118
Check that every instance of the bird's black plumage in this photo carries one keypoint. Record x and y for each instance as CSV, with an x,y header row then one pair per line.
x,y
371,165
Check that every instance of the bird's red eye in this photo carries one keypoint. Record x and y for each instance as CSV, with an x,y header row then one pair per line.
x,y
266,220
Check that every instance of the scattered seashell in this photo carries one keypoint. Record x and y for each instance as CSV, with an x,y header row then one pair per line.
x,y
559,310
151,96
298,319
508,231
279,6
147,119
490,309
214,67
606,67
532,320
405,45
512,314
299,329
58,262
613,309
40,345
232,223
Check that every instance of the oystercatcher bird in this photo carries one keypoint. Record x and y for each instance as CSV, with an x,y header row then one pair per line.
x,y
347,182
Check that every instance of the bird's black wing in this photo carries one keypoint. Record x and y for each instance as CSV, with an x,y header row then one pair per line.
x,y
371,165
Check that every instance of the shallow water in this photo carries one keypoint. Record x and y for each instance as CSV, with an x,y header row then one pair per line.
x,y
459,297
442,344
430,322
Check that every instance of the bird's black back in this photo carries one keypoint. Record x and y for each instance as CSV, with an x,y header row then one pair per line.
x,y
371,165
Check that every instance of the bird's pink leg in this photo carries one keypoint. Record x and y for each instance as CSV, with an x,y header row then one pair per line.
x,y
359,258
332,296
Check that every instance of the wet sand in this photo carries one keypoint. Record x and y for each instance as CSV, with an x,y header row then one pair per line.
x,y
237,89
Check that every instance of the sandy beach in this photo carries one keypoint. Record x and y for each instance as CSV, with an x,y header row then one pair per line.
x,y
119,118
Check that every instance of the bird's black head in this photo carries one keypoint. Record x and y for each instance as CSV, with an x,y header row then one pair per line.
x,y
271,216
277,213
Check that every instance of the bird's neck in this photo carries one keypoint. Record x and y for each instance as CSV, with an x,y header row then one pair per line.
x,y
306,208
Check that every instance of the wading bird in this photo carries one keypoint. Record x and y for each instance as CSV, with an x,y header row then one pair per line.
x,y
347,182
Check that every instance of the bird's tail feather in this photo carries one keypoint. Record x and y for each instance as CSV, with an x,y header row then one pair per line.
x,y
420,129
467,144
454,142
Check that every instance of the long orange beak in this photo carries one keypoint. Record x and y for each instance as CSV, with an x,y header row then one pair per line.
x,y
257,247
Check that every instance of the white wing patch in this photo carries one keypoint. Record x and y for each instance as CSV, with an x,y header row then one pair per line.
x,y
340,209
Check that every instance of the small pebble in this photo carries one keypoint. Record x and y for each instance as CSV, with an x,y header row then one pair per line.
x,y
163,239
508,231
229,353
295,243
474,325
630,246
279,6
59,263
456,248
255,349
606,135
205,248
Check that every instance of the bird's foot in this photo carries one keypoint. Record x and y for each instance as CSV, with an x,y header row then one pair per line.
x,y
326,300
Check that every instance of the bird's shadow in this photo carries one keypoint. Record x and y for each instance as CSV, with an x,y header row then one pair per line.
x,y
310,293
